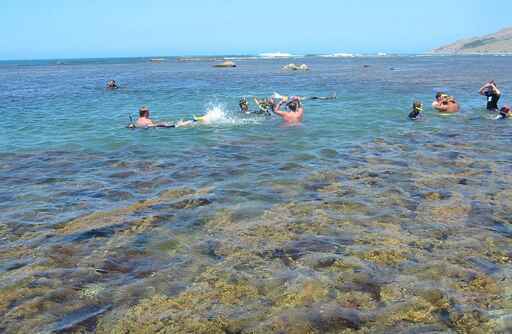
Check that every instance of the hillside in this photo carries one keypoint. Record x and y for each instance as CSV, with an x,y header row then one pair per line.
x,y
499,42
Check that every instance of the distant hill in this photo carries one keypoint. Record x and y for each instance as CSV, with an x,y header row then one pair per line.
x,y
500,42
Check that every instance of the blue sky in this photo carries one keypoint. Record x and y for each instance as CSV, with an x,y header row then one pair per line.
x,y
32,29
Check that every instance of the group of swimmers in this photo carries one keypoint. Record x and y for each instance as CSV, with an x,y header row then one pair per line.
x,y
445,103
293,112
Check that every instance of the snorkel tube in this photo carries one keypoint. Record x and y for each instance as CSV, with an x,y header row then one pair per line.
x,y
131,125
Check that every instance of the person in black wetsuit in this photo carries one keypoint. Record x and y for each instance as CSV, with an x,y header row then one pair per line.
x,y
112,84
416,113
493,94
244,105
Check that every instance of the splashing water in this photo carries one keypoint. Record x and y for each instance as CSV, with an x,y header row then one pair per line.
x,y
217,114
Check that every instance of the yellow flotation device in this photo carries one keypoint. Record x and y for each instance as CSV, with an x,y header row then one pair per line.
x,y
198,118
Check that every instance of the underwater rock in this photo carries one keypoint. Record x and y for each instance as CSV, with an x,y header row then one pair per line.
x,y
329,318
210,248
503,324
101,221
84,317
192,203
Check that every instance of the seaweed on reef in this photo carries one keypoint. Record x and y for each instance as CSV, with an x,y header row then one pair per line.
x,y
99,220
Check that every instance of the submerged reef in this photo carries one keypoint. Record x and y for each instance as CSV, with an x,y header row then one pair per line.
x,y
377,247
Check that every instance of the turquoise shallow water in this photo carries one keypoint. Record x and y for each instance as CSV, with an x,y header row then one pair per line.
x,y
360,208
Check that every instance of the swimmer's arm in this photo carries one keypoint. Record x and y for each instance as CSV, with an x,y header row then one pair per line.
x,y
301,112
258,104
442,108
277,110
301,108
439,107
496,90
484,87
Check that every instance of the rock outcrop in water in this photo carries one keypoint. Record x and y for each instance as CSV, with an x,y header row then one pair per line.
x,y
225,64
499,42
296,67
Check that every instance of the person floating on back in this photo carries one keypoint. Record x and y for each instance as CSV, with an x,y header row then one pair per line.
x,y
296,113
111,84
445,103
145,122
416,113
493,94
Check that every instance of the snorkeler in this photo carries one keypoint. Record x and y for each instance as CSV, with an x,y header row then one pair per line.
x,y
493,94
111,84
416,113
505,113
244,105
265,106
445,103
145,122
296,113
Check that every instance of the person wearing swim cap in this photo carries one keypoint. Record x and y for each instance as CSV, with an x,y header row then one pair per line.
x,y
492,93
416,113
296,110
111,84
445,103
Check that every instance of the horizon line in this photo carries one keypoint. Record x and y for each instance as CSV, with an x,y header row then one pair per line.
x,y
291,55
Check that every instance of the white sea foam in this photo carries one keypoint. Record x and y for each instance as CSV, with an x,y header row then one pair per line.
x,y
217,114
338,55
272,55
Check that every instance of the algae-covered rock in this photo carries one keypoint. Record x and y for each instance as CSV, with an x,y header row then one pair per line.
x,y
305,294
296,67
99,220
385,257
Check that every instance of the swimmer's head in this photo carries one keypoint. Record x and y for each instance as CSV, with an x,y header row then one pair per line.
x,y
144,111
293,105
417,106
440,95
505,110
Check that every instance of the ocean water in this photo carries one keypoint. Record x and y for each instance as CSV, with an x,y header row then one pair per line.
x,y
358,220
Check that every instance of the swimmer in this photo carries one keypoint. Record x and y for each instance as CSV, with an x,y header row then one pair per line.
x,y
445,103
493,94
416,113
145,122
244,105
505,113
265,106
296,113
111,84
